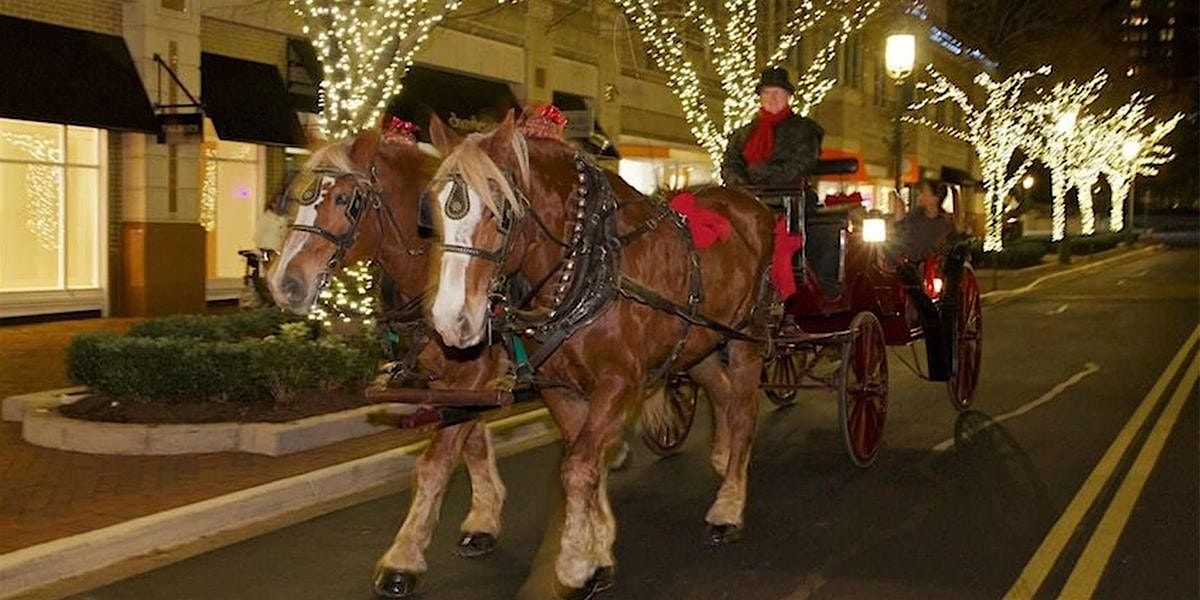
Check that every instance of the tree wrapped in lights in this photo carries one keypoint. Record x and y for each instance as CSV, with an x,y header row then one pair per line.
x,y
995,129
1061,137
350,297
1130,147
733,34
365,49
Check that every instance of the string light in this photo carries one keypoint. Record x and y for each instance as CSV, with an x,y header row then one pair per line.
x,y
349,297
365,48
995,129
734,45
45,184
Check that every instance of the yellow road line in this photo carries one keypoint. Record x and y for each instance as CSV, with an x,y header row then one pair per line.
x,y
1095,557
1047,554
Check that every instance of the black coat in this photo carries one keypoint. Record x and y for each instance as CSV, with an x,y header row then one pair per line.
x,y
797,149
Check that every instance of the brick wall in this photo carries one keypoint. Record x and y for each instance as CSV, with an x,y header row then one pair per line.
x,y
240,41
102,16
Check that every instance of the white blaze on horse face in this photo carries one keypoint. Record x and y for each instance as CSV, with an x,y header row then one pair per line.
x,y
306,215
459,316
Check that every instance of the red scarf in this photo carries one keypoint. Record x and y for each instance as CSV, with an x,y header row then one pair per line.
x,y
761,143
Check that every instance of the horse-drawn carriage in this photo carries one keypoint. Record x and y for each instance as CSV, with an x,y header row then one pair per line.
x,y
833,332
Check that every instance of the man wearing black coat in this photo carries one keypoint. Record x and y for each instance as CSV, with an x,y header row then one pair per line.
x,y
777,147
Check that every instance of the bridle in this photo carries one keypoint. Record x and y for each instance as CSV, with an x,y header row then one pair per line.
x,y
458,205
365,194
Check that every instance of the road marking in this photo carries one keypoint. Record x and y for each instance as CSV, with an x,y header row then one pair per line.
x,y
1095,557
1058,311
1028,288
1122,281
1047,554
1088,369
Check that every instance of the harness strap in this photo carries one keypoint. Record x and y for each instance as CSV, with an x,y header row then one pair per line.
x,y
639,293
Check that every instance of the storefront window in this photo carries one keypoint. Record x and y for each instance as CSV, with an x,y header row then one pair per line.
x,y
50,194
229,205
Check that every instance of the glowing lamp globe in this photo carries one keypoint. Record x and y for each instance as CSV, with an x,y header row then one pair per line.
x,y
1130,149
1027,183
900,55
874,230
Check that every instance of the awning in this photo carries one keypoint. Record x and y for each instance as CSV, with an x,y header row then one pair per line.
x,y
465,103
247,101
838,154
958,177
62,75
304,75
598,144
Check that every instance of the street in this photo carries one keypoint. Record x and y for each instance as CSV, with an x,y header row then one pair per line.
x,y
956,506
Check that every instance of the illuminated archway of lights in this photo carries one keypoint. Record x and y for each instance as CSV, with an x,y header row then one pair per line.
x,y
365,48
44,183
733,37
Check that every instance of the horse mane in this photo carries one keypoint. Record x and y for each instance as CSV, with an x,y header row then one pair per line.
x,y
335,156
481,173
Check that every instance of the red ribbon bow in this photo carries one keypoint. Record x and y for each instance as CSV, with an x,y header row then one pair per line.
x,y
399,130
544,121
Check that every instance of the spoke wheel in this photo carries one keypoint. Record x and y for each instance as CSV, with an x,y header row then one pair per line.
x,y
786,369
863,390
967,341
665,438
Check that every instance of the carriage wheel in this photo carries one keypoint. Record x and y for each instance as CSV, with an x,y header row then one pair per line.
x,y
967,343
665,438
863,389
785,369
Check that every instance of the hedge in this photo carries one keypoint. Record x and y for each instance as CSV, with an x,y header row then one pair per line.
x,y
1095,243
258,323
1016,254
183,359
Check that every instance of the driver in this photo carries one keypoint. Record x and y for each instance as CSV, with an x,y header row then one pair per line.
x,y
778,147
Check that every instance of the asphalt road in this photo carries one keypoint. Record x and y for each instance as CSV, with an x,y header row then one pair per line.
x,y
955,507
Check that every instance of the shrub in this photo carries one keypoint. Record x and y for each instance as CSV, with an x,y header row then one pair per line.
x,y
1015,255
186,368
249,324
1095,243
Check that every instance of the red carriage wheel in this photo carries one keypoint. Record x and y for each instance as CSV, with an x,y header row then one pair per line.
x,y
967,341
863,389
785,370
665,437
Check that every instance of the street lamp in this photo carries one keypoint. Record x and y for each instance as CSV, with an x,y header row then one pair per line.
x,y
1129,151
1027,183
900,55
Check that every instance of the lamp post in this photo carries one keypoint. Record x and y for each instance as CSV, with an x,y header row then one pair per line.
x,y
900,55
1064,126
1129,151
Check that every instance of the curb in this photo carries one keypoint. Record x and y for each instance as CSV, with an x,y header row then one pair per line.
x,y
27,569
1000,295
14,408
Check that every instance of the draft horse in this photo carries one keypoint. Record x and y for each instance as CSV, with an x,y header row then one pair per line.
x,y
358,200
616,299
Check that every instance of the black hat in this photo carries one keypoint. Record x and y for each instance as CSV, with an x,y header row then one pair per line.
x,y
774,77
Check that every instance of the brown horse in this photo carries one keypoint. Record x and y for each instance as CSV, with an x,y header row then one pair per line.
x,y
358,200
604,263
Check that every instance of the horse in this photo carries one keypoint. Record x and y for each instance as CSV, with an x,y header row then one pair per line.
x,y
618,303
357,200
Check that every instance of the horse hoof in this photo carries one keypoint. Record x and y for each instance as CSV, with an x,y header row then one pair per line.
x,y
474,545
390,584
719,535
602,579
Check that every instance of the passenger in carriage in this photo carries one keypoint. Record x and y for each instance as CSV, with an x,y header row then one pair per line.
x,y
922,231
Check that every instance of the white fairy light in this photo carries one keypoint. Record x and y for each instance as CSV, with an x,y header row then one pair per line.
x,y
995,129
45,184
349,297
734,45
365,48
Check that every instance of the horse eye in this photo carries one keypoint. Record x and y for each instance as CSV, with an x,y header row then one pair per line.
x,y
340,200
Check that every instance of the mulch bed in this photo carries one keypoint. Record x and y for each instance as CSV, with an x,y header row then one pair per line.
x,y
102,407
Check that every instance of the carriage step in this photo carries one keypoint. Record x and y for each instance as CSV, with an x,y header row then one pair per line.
x,y
446,398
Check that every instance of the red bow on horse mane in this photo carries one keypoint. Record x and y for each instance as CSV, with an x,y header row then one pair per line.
x,y
838,199
543,121
399,130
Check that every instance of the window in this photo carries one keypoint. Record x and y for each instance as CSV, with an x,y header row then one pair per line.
x,y
850,62
229,205
50,195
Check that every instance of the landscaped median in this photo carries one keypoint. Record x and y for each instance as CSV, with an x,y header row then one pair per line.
x,y
261,381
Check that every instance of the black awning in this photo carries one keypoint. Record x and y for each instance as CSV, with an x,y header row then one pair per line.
x,y
599,144
465,103
958,177
247,101
303,75
62,75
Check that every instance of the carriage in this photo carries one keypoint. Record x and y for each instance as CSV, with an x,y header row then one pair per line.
x,y
834,331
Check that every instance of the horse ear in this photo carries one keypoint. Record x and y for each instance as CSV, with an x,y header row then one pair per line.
x,y
443,137
505,130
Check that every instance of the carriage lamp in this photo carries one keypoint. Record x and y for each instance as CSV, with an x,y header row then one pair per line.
x,y
874,228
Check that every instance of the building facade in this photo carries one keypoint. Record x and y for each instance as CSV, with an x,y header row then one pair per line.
x,y
100,212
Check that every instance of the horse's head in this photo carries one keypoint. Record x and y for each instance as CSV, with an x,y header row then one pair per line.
x,y
477,201
341,194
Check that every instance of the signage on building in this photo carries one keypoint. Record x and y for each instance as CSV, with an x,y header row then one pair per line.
x,y
580,124
180,128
